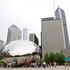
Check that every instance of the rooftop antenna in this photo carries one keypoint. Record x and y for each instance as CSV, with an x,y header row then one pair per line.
x,y
59,10
54,8
58,4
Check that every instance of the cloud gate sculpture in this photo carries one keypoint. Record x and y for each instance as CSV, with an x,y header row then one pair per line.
x,y
21,47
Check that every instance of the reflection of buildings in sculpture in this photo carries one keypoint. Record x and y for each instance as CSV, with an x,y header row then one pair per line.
x,y
25,34
33,38
14,33
25,49
22,59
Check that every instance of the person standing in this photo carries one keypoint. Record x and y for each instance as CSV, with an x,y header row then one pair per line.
x,y
44,64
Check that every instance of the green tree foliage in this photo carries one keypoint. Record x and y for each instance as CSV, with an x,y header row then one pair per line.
x,y
46,59
58,58
51,57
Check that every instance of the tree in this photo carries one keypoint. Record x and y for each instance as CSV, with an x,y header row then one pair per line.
x,y
51,57
59,58
46,59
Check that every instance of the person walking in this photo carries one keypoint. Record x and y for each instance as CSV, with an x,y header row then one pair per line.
x,y
44,64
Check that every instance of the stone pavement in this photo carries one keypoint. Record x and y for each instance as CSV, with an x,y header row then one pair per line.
x,y
50,68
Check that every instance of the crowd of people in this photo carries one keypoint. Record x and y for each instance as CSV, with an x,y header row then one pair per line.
x,y
33,64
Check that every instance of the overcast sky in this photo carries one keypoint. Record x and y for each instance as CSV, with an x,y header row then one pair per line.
x,y
28,13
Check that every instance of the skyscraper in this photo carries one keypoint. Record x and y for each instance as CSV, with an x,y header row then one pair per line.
x,y
1,45
52,36
14,33
60,14
33,38
54,33
25,34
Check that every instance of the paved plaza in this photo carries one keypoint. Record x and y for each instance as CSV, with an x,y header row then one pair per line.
x,y
50,68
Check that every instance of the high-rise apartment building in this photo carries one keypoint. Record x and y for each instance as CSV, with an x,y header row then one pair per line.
x,y
25,34
14,33
60,14
33,38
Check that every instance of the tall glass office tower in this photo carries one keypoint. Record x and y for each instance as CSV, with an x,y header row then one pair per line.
x,y
60,14
54,33
14,33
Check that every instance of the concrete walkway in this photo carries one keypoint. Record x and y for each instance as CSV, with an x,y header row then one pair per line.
x,y
50,68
